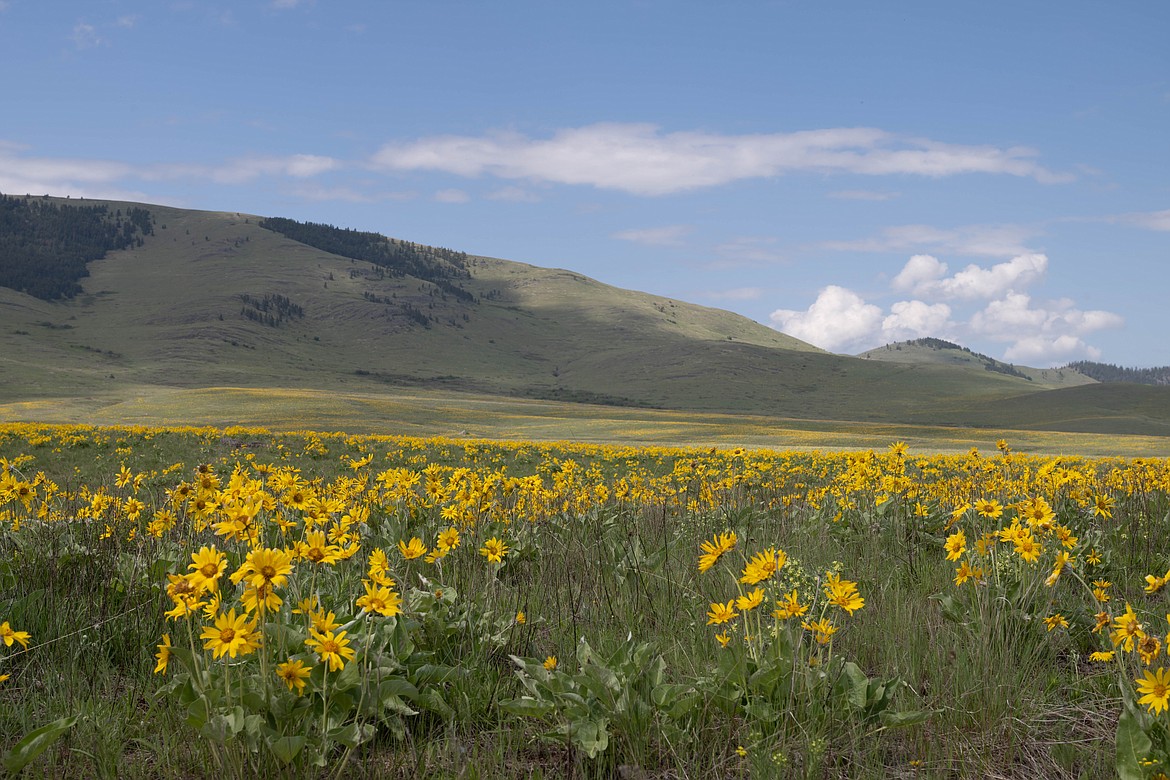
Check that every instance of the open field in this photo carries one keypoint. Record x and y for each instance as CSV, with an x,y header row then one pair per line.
x,y
185,311
419,412
186,602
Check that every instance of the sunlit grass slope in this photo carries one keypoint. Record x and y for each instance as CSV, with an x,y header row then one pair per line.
x,y
171,314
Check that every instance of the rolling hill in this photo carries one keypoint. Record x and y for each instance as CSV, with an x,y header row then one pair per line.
x,y
222,299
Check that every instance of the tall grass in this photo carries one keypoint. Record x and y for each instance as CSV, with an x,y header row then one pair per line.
x,y
614,573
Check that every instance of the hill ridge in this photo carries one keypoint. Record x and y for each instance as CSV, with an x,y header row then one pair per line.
x,y
215,299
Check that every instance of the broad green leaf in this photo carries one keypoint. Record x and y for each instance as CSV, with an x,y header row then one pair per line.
x,y
286,748
1133,744
590,735
397,686
856,685
432,700
527,707
35,743
198,713
907,718
353,734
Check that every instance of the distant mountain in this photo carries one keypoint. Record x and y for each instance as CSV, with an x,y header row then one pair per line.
x,y
201,299
1105,372
939,351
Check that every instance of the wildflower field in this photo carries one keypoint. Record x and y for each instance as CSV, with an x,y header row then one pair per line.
x,y
197,602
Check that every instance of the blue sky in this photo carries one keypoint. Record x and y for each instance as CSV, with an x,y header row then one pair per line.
x,y
853,173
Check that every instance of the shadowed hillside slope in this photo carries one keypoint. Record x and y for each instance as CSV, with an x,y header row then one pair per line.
x,y
213,299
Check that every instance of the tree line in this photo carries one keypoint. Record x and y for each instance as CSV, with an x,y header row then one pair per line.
x,y
1106,372
441,267
45,246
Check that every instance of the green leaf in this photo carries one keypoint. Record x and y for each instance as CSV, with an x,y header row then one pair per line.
x,y
394,704
397,686
527,707
951,609
35,743
198,713
761,711
432,700
286,748
1133,744
857,685
908,718
436,673
590,735
352,735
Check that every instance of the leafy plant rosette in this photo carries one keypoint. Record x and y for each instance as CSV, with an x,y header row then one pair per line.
x,y
779,668
1033,569
282,682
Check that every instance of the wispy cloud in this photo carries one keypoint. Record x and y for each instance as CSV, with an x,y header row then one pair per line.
x,y
347,194
513,195
977,240
24,173
748,251
863,195
85,36
452,196
734,294
668,235
642,160
1150,220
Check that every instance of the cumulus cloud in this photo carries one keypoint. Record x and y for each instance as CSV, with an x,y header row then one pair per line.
x,y
642,160
925,276
839,319
996,310
669,235
1046,351
1014,318
916,319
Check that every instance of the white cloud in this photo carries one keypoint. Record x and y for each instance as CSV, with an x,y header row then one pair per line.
x,y
513,195
839,319
916,319
642,160
863,195
1013,317
452,196
85,36
978,240
735,294
747,251
1047,351
23,173
669,235
1037,333
128,21
1150,220
925,277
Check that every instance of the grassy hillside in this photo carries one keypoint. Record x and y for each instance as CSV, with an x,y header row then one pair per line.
x,y
212,299
939,352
